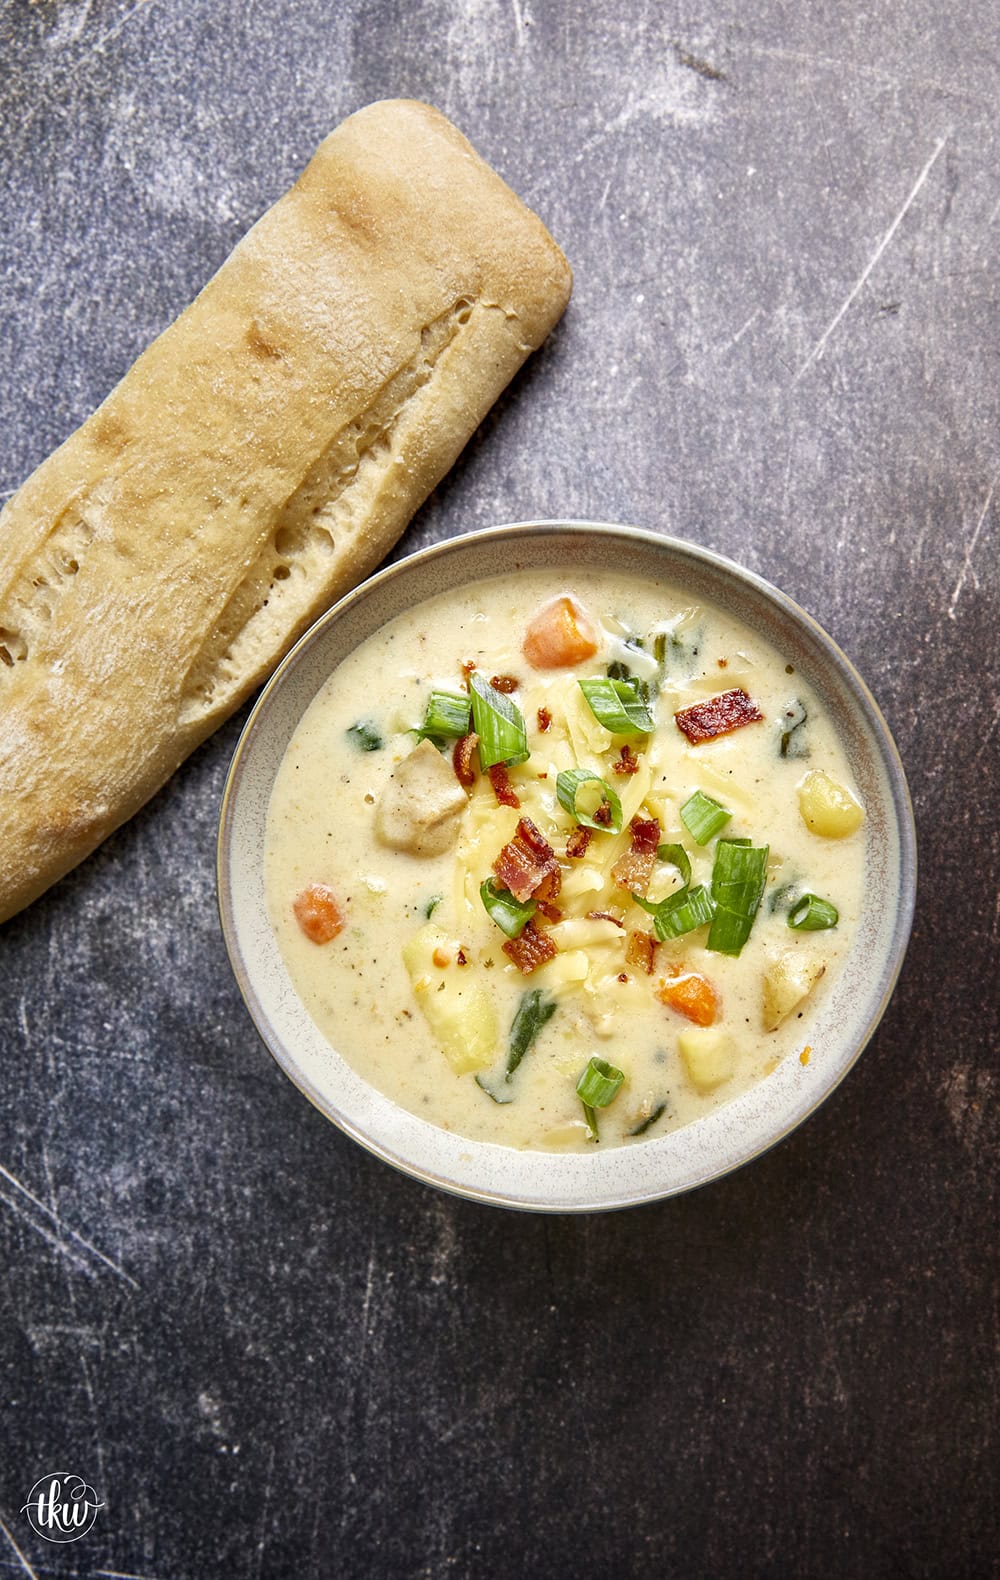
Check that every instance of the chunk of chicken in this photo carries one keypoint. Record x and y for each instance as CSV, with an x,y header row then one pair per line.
x,y
421,806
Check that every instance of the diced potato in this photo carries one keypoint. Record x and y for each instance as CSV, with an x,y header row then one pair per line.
x,y
709,1057
565,973
829,808
561,1136
788,979
422,804
456,1005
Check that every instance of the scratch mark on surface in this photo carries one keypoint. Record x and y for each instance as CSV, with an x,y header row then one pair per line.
x,y
23,1561
518,22
120,1574
366,1303
740,332
820,346
865,69
54,1217
262,1538
120,25
970,550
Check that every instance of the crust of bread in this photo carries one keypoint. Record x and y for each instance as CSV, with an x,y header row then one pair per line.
x,y
259,459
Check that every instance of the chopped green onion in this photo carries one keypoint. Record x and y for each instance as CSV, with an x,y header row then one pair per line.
x,y
647,1124
499,724
677,857
568,786
511,915
703,817
679,913
810,914
599,1084
738,879
533,1012
618,705
484,1086
447,717
365,736
784,896
791,743
432,905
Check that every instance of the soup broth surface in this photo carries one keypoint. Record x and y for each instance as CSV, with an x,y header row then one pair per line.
x,y
417,945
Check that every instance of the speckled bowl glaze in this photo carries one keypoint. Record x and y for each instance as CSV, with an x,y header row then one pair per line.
x,y
621,1176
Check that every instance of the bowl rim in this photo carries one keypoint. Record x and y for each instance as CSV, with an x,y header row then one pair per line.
x,y
698,555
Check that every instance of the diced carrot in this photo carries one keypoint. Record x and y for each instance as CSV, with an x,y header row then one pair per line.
x,y
318,914
690,995
560,633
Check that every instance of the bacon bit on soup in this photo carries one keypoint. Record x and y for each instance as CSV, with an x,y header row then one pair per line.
x,y
552,913
467,667
318,914
730,710
559,634
690,994
640,951
527,865
602,813
544,720
504,683
461,759
605,916
634,869
462,958
532,948
578,841
628,762
502,787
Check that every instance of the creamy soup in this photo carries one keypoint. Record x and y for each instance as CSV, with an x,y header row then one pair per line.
x,y
564,866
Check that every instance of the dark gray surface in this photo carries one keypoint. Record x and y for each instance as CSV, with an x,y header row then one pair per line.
x,y
273,1356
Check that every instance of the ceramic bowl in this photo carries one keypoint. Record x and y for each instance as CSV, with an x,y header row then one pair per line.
x,y
621,1176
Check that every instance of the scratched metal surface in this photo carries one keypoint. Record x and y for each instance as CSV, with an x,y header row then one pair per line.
x,y
271,1355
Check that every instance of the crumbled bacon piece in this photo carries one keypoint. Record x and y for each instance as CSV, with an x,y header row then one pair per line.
x,y
462,958
461,759
467,667
640,950
552,913
527,865
578,841
628,762
634,869
718,715
602,813
502,787
531,949
605,916
544,719
504,683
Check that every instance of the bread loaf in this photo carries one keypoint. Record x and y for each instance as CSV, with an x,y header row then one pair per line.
x,y
257,460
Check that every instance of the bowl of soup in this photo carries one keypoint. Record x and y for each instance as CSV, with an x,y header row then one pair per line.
x,y
566,866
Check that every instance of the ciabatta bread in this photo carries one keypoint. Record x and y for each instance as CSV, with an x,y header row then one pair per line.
x,y
258,460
